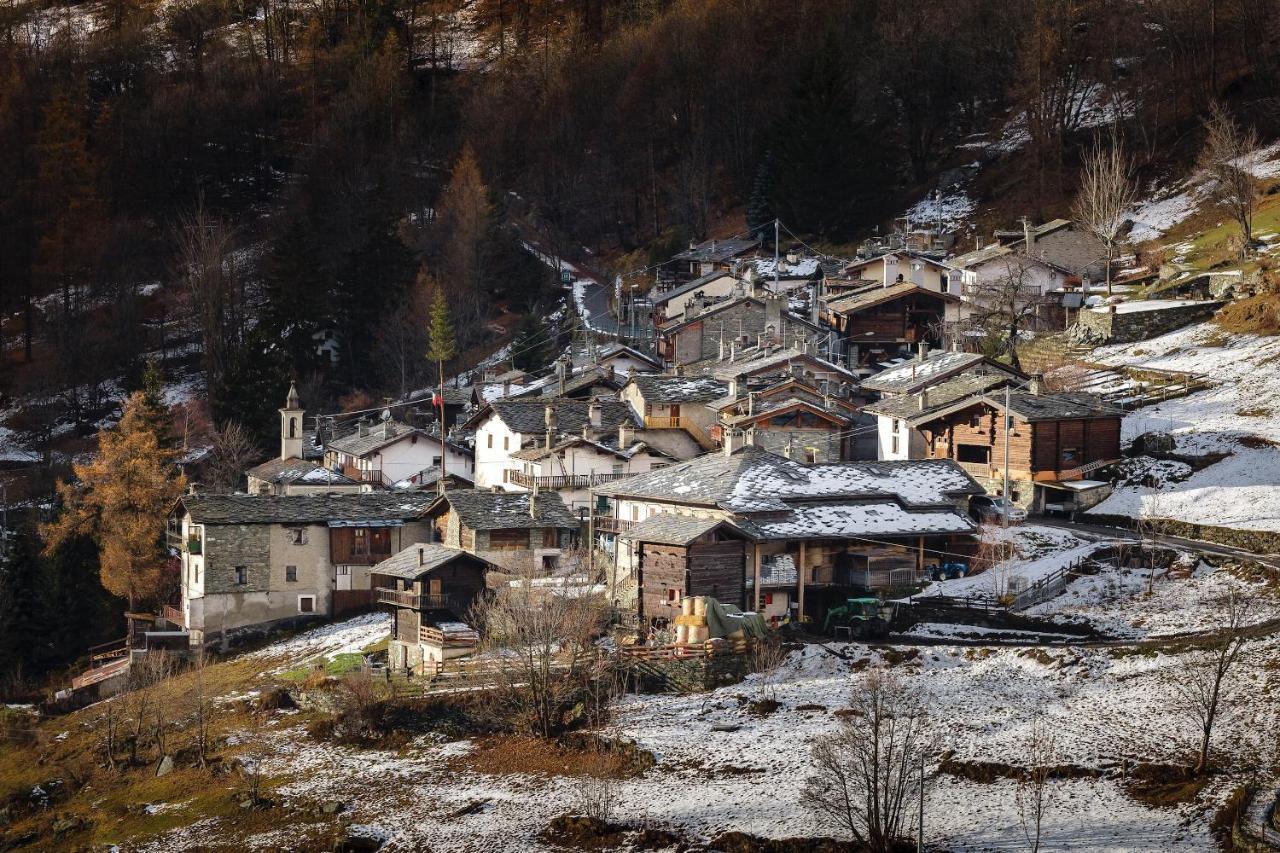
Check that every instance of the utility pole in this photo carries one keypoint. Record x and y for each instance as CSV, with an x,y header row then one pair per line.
x,y
776,225
1006,454
920,825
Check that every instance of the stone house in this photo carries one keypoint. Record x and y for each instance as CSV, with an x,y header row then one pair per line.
x,y
575,463
670,304
253,560
711,256
392,452
905,266
518,531
735,324
504,427
675,402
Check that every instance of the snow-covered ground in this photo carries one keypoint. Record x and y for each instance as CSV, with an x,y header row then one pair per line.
x,y
1106,707
1038,552
1237,416
327,641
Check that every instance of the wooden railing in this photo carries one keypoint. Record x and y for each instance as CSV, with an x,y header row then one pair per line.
x,y
609,524
433,636
700,650
104,652
1083,470
654,422
561,481
976,469
414,600
174,615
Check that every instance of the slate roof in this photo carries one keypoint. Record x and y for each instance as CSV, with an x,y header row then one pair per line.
x,y
729,302
368,507
481,509
298,470
914,374
856,519
379,435
586,379
755,480
755,361
607,446
689,287
428,477
872,296
616,350
944,394
712,251
1051,407
408,565
679,389
668,529
529,416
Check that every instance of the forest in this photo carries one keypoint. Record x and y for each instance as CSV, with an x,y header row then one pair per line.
x,y
211,187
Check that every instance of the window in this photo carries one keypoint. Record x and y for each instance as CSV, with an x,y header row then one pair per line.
x,y
306,604
893,445
673,594
242,575
344,570
435,461
972,453
975,420
897,425
506,442
489,441
293,427
1070,455
297,535
291,574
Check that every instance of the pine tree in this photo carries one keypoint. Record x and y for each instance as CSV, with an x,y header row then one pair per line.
x,y
24,608
760,205
441,347
154,410
120,501
531,347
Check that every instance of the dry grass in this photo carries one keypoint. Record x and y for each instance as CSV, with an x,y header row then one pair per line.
x,y
1257,315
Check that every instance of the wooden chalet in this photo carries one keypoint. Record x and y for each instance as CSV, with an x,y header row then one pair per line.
x,y
687,556
1054,441
429,589
876,323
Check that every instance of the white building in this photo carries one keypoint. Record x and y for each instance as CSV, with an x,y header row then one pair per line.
x,y
391,452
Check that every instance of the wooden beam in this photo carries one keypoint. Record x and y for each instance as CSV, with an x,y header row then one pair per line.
x,y
800,573
756,586
919,555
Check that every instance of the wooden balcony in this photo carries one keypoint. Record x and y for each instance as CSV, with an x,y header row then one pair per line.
x,y
413,600
977,469
433,636
561,481
656,422
609,524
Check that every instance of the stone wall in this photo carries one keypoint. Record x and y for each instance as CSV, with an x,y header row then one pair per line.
x,y
1124,327
1255,541
229,545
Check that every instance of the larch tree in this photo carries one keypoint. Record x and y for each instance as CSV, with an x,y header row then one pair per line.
x,y
467,257
1107,191
442,347
120,499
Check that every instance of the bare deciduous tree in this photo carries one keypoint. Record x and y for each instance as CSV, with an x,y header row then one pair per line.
x,y
1005,307
1202,684
215,286
1107,191
1228,156
1035,794
232,452
866,775
767,656
542,637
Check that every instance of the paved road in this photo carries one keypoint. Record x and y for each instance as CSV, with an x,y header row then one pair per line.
x,y
1103,531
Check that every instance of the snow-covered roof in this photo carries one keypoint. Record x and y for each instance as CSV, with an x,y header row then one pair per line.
x,y
917,373
853,519
678,389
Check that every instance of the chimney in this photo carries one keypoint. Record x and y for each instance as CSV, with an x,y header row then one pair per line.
x,y
751,437
363,427
924,399
626,434
1028,234
751,402
922,349
586,431
1036,385
506,387
595,414
735,387
422,556
789,449
732,441
551,421
733,350
773,314
721,345
813,301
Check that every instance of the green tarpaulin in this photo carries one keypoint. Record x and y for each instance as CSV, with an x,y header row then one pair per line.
x,y
723,620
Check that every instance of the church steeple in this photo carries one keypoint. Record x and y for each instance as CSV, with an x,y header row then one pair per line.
x,y
291,425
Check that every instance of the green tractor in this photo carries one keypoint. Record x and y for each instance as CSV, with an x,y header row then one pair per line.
x,y
863,618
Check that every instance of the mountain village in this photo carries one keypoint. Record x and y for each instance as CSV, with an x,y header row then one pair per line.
x,y
640,426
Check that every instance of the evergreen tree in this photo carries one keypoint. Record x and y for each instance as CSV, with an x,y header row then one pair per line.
x,y
82,612
24,608
531,349
120,501
442,347
760,214
255,372
154,410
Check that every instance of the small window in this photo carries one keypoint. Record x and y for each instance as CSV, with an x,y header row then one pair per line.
x,y
291,574
673,594
506,442
1070,454
435,461
897,425
975,420
344,570
306,604
489,441
893,445
242,575
298,535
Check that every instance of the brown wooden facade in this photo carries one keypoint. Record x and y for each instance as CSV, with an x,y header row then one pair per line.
x,y
359,546
1042,450
708,566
